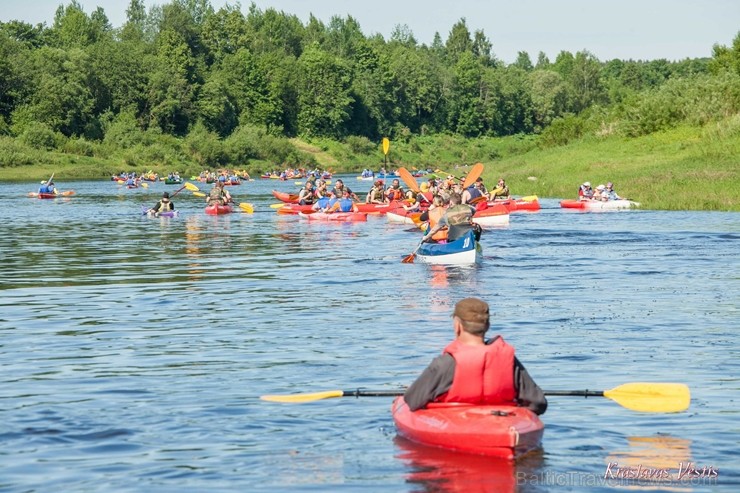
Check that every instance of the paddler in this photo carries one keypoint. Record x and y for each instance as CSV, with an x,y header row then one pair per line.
x,y
475,370
164,205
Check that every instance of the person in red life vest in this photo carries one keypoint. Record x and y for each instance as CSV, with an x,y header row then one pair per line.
x,y
475,370
395,192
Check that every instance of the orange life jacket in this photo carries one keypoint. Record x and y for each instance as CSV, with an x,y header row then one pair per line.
x,y
434,216
483,374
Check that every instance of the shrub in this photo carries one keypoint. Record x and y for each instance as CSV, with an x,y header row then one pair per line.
x,y
359,144
39,136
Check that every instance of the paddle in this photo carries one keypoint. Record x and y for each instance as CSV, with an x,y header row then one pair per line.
x,y
277,206
409,259
473,175
408,179
644,397
246,207
189,186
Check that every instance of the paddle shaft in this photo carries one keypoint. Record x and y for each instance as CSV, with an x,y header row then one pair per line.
x,y
396,393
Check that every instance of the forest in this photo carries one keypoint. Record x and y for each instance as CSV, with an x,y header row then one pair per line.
x,y
183,84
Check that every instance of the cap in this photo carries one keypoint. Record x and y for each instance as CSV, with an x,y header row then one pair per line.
x,y
609,184
473,311
424,187
586,183
378,182
450,177
601,187
166,195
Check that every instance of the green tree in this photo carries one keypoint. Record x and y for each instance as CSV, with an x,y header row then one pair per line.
x,y
62,98
172,84
726,59
523,61
324,101
466,114
458,42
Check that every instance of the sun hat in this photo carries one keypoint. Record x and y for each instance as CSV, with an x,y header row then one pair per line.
x,y
601,187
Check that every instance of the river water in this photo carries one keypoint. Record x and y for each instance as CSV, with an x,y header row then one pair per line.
x,y
133,350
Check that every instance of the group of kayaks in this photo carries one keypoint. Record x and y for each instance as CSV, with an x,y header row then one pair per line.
x,y
463,251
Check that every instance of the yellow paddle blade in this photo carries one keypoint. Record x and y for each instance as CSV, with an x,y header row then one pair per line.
x,y
315,396
199,194
299,183
277,206
246,207
651,397
530,198
145,185
191,187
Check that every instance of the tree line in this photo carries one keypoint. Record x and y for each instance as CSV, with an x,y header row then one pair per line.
x,y
184,70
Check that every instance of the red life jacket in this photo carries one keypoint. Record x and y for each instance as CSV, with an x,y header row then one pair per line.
x,y
483,374
395,194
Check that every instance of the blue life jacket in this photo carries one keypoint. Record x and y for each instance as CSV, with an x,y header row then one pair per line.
x,y
345,205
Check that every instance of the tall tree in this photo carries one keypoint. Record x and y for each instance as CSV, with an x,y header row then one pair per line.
x,y
458,42
324,101
466,115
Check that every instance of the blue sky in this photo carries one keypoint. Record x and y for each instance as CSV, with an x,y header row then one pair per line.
x,y
625,29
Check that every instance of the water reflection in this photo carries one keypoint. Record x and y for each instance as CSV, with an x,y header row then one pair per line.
x,y
648,462
437,470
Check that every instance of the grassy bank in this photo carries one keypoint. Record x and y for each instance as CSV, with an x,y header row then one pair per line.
x,y
688,168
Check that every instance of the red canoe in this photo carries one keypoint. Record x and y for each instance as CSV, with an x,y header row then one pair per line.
x,y
336,216
295,209
288,198
518,204
379,208
219,209
498,431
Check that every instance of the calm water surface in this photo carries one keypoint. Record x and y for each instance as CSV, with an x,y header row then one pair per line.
x,y
133,351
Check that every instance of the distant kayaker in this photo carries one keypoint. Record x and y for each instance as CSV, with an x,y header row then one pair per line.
x,y
307,195
473,193
610,193
218,195
395,192
458,219
501,192
599,193
474,370
585,192
376,195
344,204
164,204
48,188
339,187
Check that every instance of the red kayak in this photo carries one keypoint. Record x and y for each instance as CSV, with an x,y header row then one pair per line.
x,y
518,205
295,209
216,209
336,216
288,198
379,208
499,431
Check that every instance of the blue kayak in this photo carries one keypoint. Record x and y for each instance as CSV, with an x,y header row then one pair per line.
x,y
463,251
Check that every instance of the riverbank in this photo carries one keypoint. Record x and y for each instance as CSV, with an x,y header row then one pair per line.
x,y
688,168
